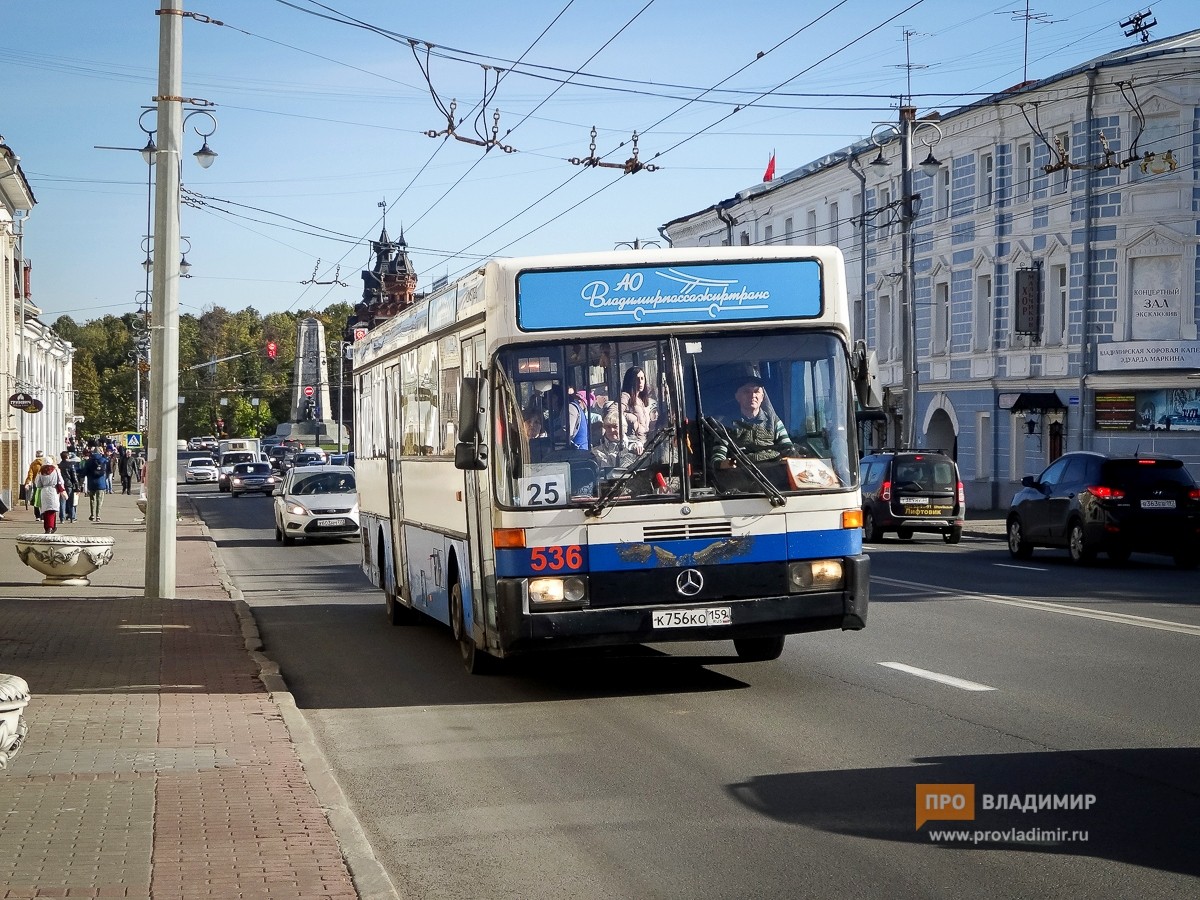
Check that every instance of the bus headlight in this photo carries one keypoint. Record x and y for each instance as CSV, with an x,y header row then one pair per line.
x,y
815,575
571,590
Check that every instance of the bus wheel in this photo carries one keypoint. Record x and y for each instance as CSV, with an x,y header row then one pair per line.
x,y
758,649
476,661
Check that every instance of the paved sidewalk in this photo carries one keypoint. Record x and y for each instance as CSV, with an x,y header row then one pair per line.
x,y
158,764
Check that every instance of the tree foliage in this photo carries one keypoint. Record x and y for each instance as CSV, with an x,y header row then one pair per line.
x,y
223,368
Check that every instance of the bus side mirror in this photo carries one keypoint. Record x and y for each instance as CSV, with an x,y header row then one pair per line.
x,y
866,377
470,453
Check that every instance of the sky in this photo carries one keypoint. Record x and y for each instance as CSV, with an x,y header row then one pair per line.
x,y
321,110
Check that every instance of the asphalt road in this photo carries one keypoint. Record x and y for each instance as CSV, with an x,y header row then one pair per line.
x,y
677,772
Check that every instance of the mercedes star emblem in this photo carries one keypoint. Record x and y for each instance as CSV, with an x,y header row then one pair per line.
x,y
689,583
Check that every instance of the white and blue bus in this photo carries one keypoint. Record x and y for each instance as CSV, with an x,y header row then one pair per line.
x,y
608,448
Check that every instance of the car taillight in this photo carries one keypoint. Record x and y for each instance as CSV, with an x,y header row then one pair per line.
x,y
962,495
885,492
1194,493
1105,493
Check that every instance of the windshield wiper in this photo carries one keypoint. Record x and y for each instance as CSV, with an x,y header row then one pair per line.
x,y
718,430
610,493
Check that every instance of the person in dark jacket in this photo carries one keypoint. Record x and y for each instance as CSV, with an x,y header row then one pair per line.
x,y
68,468
126,467
98,477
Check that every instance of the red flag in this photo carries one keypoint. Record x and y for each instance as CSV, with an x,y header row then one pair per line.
x,y
770,173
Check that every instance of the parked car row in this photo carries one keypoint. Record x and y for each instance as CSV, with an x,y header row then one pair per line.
x,y
1084,502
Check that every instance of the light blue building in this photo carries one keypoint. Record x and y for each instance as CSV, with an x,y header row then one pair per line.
x,y
1053,266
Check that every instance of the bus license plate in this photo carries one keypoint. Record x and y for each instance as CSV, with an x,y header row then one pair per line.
x,y
690,618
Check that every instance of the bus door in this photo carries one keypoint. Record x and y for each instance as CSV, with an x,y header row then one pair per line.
x,y
477,494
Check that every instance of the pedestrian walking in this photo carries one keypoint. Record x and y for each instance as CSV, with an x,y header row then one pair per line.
x,y
126,466
35,469
110,454
140,467
68,468
98,477
46,487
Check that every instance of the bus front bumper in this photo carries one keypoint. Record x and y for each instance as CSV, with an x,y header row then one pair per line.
x,y
521,631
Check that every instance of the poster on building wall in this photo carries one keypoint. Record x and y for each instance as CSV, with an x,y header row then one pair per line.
x,y
1156,297
1167,409
1028,305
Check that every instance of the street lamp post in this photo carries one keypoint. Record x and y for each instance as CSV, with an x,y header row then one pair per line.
x,y
342,345
161,510
909,206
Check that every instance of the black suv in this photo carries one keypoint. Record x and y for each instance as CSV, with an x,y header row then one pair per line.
x,y
907,491
1089,503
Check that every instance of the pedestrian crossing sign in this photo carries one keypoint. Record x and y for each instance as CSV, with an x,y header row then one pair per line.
x,y
133,440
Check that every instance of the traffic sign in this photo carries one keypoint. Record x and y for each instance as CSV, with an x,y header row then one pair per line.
x,y
308,390
133,440
360,333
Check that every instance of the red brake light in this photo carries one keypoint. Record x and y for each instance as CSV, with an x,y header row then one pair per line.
x,y
1147,462
1194,493
962,494
1106,493
885,492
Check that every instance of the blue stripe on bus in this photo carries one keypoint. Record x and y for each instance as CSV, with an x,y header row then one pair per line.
x,y
633,556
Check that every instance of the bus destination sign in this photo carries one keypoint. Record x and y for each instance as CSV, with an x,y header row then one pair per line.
x,y
670,294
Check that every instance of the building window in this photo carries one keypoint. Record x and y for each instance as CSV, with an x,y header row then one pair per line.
x,y
788,230
833,223
811,236
943,192
1056,306
983,312
1024,170
886,332
941,318
768,235
856,210
1063,140
987,178
744,240
983,445
884,230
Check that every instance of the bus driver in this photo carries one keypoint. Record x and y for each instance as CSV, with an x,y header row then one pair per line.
x,y
759,433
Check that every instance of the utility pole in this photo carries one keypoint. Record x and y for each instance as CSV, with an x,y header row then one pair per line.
x,y
162,508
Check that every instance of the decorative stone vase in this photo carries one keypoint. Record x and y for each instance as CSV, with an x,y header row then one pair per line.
x,y
65,559
141,505
14,697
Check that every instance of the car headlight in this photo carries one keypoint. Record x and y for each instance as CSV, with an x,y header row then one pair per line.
x,y
237,481
296,509
571,590
815,575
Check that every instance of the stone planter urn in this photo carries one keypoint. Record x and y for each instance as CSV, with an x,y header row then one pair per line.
x,y
64,559
141,505
14,697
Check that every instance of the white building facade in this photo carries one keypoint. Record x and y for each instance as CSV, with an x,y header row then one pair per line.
x,y
1053,272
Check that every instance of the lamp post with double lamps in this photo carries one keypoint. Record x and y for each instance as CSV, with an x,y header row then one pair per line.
x,y
174,112
908,206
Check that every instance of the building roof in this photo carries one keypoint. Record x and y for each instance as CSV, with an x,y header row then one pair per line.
x,y
1188,42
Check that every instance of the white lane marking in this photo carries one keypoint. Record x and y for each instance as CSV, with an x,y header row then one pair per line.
x,y
1047,606
1022,568
961,683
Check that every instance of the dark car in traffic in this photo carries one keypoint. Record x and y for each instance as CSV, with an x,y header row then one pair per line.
x,y
252,478
1090,503
911,491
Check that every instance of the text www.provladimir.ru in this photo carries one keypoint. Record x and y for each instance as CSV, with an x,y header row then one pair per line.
x,y
1010,836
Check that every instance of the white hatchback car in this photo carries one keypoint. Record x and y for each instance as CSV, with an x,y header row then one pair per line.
x,y
316,501
200,470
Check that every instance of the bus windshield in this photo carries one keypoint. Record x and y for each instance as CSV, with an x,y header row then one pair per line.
x,y
764,413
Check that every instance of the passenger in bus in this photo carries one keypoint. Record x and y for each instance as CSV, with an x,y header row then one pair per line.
x,y
637,408
535,422
612,452
569,419
759,433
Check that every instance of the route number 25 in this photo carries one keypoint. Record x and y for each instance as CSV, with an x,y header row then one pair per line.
x,y
556,559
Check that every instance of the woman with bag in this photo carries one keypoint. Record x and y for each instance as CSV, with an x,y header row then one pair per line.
x,y
47,486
